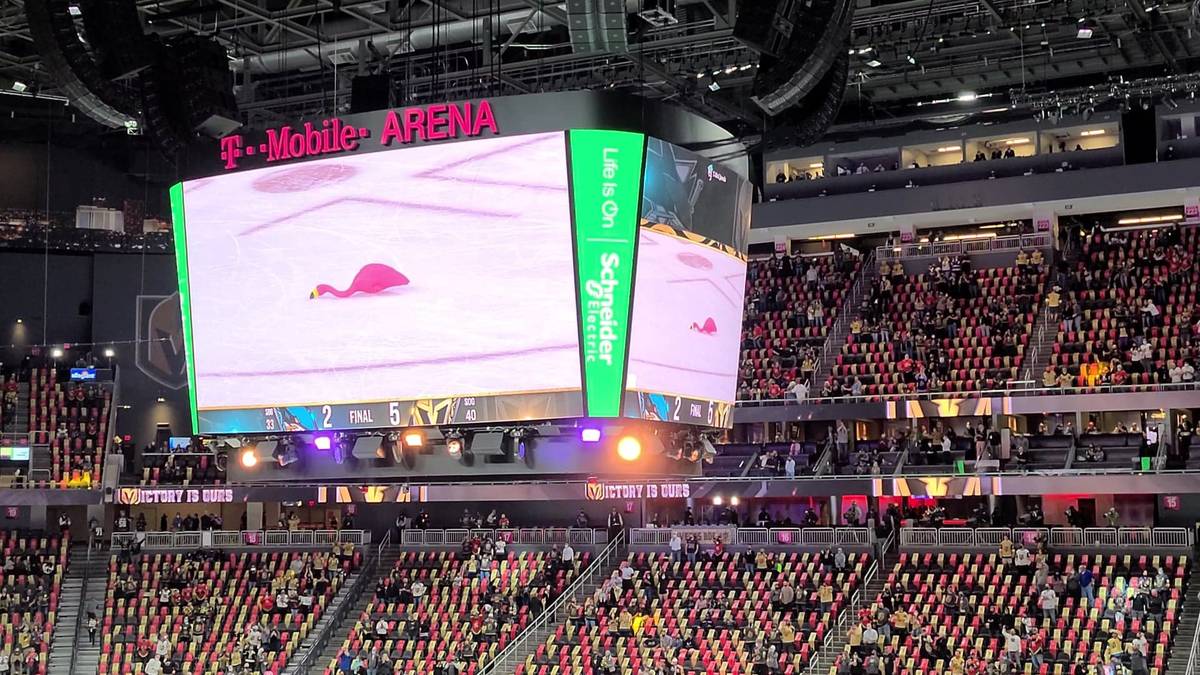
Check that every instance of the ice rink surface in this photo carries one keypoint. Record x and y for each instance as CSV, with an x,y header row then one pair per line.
x,y
687,318
481,229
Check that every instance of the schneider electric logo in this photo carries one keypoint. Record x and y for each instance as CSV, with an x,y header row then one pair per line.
x,y
600,328
606,169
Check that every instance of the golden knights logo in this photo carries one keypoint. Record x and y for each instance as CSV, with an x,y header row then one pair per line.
x,y
160,350
595,490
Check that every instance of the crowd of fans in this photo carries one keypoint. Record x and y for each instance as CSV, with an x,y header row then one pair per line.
x,y
73,418
448,613
790,304
951,329
1125,302
680,612
172,613
56,230
31,578
998,614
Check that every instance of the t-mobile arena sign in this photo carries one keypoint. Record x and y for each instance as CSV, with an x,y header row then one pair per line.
x,y
437,122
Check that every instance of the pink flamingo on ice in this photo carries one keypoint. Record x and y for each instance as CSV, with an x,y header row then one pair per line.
x,y
371,279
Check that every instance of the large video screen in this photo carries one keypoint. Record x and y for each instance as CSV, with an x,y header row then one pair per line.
x,y
423,285
544,276
689,288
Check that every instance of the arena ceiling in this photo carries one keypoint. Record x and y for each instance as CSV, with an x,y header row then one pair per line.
x,y
295,57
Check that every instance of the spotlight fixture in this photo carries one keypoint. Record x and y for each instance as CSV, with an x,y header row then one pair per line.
x,y
323,442
20,320
108,353
56,353
248,458
912,60
629,448
734,501
1170,102
590,435
285,452
522,440
717,501
454,442
714,86
19,86
413,438
1085,28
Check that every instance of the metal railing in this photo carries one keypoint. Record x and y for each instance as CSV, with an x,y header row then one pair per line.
x,y
936,249
504,661
758,536
836,336
1194,654
230,538
1015,388
1057,537
79,620
843,617
369,571
550,536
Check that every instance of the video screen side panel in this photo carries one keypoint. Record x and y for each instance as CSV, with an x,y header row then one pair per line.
x,y
606,180
687,191
179,230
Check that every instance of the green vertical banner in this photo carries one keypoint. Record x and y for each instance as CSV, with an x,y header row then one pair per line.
x,y
179,230
606,194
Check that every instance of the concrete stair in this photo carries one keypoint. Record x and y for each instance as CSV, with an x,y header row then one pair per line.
x,y
20,422
1185,636
839,332
592,577
1042,337
340,630
66,636
827,657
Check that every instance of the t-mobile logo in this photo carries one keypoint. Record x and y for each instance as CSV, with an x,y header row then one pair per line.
x,y
231,150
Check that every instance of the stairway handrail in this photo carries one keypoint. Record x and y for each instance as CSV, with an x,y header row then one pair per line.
x,y
599,565
1195,652
368,571
81,610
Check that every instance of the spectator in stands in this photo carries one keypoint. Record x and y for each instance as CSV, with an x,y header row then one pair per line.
x,y
1048,601
1006,550
1012,647
616,524
842,439
676,547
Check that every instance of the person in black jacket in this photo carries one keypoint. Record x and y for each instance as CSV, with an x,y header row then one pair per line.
x,y
616,524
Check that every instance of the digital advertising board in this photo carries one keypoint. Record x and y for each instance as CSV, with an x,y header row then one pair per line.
x,y
493,279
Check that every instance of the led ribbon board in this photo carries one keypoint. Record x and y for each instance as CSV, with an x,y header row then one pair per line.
x,y
606,183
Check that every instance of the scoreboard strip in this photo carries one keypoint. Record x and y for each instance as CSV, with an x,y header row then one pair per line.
x,y
449,411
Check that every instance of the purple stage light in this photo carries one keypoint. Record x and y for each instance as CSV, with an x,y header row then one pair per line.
x,y
323,442
590,435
